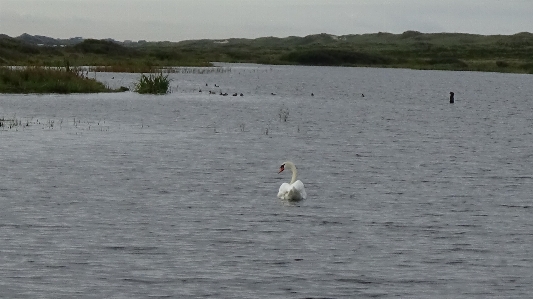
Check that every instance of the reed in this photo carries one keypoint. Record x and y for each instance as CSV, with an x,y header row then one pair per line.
x,y
124,69
158,69
153,84
198,70
283,113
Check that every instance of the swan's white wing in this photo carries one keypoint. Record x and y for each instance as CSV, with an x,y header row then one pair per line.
x,y
295,192
284,190
298,185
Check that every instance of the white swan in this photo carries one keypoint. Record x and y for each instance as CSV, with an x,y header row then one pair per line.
x,y
294,191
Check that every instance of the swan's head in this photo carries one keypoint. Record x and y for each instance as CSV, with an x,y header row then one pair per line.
x,y
281,168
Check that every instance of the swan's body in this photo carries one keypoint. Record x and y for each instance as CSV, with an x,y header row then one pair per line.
x,y
293,191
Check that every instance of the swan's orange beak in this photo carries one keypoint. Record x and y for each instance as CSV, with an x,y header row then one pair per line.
x,y
282,168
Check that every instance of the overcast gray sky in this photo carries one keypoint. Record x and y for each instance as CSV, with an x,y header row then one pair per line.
x,y
175,20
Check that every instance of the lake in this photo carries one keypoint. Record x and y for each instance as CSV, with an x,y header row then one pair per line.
x,y
124,195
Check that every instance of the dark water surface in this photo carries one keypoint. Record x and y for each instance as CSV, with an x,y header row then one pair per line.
x,y
131,196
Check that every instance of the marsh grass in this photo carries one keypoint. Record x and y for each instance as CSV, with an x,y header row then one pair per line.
x,y
9,122
158,69
283,113
124,69
198,70
48,80
76,126
153,84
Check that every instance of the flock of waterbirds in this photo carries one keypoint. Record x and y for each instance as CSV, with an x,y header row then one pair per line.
x,y
235,93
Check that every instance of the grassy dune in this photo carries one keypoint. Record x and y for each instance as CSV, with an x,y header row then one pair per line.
x,y
411,49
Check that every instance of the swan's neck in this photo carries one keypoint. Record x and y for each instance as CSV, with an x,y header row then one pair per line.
x,y
294,172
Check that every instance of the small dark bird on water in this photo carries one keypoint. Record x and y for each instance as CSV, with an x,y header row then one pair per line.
x,y
452,100
363,95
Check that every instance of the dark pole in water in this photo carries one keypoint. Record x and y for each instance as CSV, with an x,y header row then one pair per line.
x,y
451,98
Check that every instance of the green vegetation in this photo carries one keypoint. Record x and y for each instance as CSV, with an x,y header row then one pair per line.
x,y
334,57
47,80
98,53
411,49
153,84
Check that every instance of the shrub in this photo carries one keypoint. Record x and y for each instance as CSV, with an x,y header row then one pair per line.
x,y
452,61
333,57
501,63
410,33
527,67
101,47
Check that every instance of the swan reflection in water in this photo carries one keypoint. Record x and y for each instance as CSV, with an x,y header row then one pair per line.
x,y
293,191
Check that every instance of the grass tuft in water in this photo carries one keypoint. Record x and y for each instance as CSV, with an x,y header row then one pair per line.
x,y
153,84
283,113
